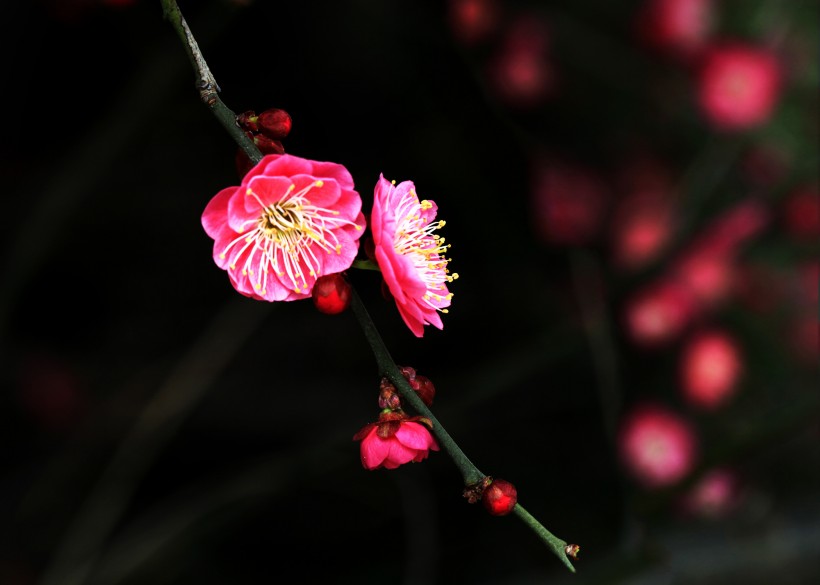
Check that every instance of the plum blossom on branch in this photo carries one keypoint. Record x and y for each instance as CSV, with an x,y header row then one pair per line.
x,y
410,255
291,221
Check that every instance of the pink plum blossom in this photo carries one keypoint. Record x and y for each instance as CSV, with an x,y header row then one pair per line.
x,y
409,254
291,221
395,440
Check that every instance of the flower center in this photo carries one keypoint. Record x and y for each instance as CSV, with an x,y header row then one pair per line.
x,y
287,238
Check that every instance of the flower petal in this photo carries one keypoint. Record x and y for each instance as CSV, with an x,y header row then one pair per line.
x,y
264,191
333,171
373,450
414,435
215,215
398,454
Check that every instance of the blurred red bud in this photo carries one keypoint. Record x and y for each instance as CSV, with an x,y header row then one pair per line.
x,y
568,202
472,21
801,213
520,72
642,226
679,27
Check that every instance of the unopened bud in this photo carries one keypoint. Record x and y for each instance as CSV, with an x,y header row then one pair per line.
x,y
275,123
248,121
571,550
388,398
425,389
500,497
267,145
331,294
421,384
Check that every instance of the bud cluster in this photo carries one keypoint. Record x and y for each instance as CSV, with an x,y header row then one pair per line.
x,y
267,130
396,438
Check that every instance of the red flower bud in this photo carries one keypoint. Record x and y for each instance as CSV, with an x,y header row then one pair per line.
x,y
408,372
500,497
331,294
425,389
421,384
572,550
275,123
248,121
267,145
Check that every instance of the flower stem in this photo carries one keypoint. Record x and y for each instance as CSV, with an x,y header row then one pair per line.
x,y
208,90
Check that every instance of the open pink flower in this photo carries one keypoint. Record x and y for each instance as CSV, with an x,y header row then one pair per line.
x,y
395,440
289,222
410,256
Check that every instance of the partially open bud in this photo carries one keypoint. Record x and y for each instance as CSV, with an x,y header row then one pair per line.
x,y
275,123
499,497
331,294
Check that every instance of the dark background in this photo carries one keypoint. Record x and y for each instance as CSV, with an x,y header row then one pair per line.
x,y
156,427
